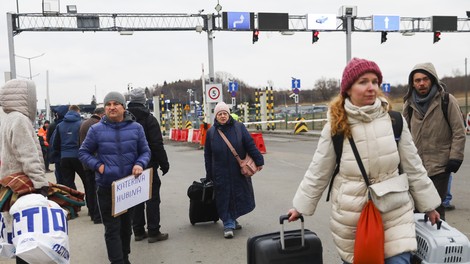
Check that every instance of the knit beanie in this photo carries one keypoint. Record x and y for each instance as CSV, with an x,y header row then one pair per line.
x,y
355,69
221,106
115,96
138,96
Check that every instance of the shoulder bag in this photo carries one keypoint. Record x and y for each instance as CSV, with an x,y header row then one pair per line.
x,y
370,237
247,166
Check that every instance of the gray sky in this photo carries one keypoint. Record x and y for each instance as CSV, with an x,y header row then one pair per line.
x,y
80,63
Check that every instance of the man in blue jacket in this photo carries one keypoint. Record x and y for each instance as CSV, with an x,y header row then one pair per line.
x,y
66,142
115,148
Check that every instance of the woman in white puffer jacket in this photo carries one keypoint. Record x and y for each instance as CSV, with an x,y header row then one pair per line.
x,y
361,111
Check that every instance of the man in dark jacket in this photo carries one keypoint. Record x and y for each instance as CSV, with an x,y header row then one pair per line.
x,y
158,159
115,148
90,187
66,142
60,112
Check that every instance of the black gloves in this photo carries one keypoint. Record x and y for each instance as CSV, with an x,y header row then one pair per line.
x,y
453,165
165,168
44,191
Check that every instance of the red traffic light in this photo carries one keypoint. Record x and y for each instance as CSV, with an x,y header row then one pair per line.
x,y
255,35
315,35
437,36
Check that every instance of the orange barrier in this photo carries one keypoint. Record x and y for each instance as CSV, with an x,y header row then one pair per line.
x,y
259,142
203,131
183,135
196,136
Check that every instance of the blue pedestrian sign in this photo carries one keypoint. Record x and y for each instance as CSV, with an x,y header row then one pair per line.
x,y
386,87
232,87
238,20
385,23
295,83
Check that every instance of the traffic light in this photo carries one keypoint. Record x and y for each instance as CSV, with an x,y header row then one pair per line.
x,y
315,37
255,35
437,36
384,37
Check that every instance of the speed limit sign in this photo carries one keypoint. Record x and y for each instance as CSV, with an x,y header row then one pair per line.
x,y
214,93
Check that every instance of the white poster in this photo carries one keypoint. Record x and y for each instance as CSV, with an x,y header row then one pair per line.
x,y
130,191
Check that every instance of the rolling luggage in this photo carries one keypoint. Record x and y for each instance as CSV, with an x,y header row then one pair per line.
x,y
440,243
202,207
291,247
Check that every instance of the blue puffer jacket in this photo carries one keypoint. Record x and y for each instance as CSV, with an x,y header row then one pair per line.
x,y
234,192
119,146
67,142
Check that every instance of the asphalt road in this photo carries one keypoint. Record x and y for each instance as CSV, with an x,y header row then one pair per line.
x,y
286,160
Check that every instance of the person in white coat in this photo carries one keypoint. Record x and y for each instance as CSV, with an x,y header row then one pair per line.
x,y
360,111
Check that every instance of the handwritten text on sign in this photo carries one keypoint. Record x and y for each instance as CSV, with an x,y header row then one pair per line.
x,y
130,191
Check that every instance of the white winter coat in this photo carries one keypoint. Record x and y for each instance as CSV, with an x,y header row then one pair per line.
x,y
20,150
372,132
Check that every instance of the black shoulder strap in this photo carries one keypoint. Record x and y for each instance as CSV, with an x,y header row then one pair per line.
x,y
397,124
338,141
445,106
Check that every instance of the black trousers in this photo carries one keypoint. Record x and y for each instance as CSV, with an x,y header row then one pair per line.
x,y
90,195
151,209
440,182
68,168
117,230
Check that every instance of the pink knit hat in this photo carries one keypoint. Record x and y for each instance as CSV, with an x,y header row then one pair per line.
x,y
355,69
221,106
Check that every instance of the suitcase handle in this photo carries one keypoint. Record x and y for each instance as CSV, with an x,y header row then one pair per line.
x,y
439,223
283,218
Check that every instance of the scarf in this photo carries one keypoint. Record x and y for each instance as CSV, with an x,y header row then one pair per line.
x,y
365,113
422,102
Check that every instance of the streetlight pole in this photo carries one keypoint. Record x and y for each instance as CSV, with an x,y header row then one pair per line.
x,y
29,62
466,89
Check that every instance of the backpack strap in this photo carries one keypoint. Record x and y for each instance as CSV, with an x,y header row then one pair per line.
x,y
397,124
338,141
445,106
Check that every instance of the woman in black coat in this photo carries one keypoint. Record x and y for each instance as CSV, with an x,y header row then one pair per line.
x,y
234,192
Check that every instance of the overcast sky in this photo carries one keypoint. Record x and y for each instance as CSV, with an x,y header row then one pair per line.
x,y
81,63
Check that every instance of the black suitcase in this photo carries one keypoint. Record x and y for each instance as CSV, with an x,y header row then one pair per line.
x,y
291,247
202,207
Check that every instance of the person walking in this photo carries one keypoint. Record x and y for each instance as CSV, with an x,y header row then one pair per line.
x,y
53,156
153,134
234,193
115,148
90,187
66,142
435,121
19,145
42,134
360,113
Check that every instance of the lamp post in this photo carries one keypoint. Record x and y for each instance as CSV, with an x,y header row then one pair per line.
x,y
466,88
29,62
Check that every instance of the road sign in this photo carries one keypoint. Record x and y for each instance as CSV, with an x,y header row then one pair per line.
x,y
232,86
321,21
296,90
214,93
238,20
295,83
386,23
386,87
234,93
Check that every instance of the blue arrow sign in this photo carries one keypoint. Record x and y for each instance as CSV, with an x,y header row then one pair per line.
x,y
232,86
386,23
295,83
238,20
386,87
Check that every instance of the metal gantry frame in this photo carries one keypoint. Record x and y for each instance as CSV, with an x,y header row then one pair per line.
x,y
129,22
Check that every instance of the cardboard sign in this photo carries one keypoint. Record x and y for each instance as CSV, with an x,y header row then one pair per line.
x,y
131,191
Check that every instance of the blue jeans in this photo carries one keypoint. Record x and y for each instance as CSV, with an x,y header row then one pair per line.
x,y
229,224
403,258
448,198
